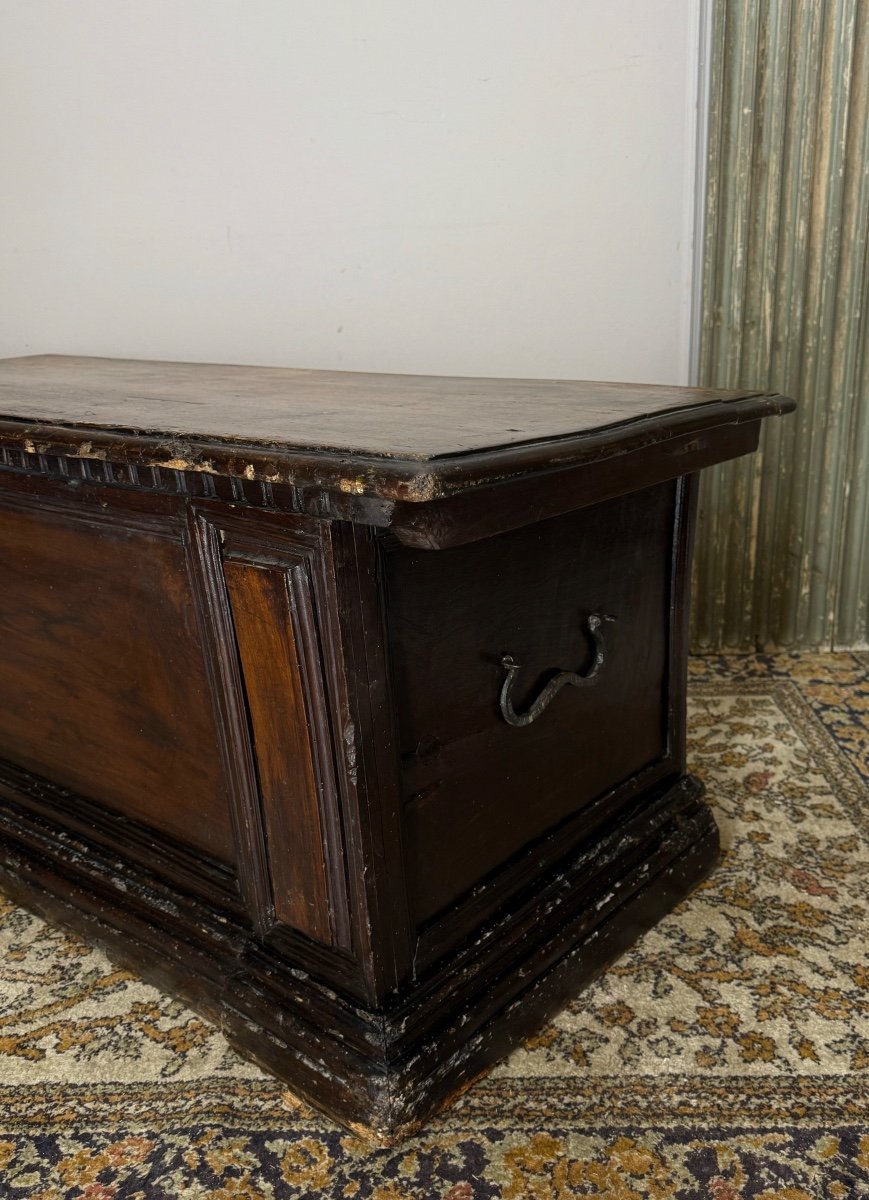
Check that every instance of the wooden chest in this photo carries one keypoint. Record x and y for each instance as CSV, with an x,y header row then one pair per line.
x,y
350,708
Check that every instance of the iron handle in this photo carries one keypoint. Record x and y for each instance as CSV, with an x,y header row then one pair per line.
x,y
562,679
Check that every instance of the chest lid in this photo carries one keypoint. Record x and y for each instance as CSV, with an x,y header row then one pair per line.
x,y
412,438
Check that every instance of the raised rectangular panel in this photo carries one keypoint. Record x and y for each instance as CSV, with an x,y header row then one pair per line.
x,y
103,681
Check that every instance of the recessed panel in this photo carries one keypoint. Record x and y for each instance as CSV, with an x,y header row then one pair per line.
x,y
282,725
103,685
477,789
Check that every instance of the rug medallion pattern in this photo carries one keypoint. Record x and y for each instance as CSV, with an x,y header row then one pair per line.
x,y
725,1056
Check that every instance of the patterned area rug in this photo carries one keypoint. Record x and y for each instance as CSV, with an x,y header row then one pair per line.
x,y
726,1056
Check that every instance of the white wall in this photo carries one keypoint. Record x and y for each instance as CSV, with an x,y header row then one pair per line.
x,y
497,187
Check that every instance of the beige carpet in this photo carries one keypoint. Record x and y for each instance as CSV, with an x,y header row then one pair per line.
x,y
726,1056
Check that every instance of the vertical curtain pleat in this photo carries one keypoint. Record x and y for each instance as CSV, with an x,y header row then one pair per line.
x,y
782,556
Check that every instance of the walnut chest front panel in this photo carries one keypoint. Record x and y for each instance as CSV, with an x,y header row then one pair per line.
x,y
104,685
169,663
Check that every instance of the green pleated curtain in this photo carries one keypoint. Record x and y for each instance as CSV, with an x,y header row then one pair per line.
x,y
782,556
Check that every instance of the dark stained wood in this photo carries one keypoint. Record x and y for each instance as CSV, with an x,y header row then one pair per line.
x,y
486,511
476,790
390,436
103,685
146,849
252,734
385,1071
234,741
273,674
270,584
395,416
372,790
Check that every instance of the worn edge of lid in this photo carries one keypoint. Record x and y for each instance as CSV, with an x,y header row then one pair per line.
x,y
379,476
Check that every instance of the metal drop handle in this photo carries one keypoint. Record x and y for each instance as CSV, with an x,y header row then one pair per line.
x,y
562,679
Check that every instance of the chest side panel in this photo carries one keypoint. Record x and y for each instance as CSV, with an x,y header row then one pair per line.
x,y
478,791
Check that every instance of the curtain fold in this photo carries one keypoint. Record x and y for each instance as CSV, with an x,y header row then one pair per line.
x,y
782,558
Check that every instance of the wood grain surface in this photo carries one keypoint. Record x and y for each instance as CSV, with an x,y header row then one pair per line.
x,y
103,687
252,736
204,417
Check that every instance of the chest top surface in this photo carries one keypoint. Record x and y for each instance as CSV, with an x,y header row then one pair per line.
x,y
387,432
